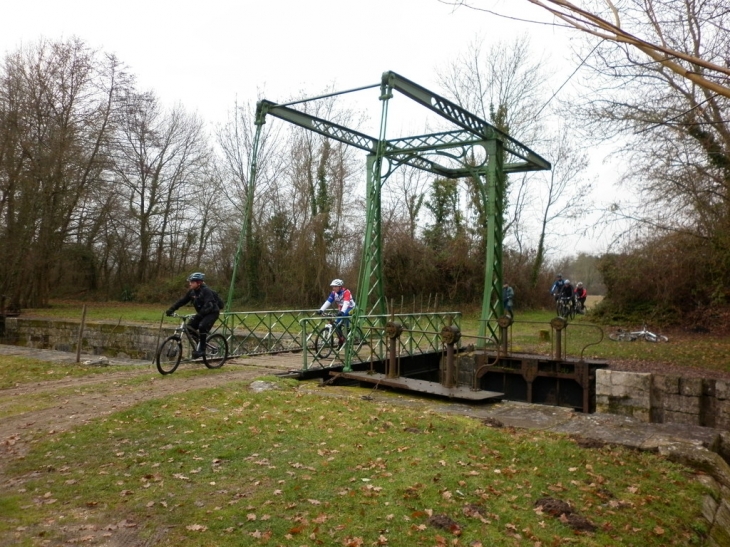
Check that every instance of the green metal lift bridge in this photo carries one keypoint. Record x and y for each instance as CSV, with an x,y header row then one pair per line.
x,y
502,155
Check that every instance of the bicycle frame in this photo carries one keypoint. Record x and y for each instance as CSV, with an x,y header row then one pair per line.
x,y
334,335
191,335
630,336
337,323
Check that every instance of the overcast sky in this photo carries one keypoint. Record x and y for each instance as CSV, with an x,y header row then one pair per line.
x,y
207,55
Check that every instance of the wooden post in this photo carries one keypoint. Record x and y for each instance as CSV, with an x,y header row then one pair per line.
x,y
157,343
81,334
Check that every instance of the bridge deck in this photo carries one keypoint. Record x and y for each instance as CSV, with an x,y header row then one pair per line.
x,y
280,362
422,386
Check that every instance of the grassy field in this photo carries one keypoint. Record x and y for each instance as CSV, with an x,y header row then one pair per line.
x,y
292,467
304,465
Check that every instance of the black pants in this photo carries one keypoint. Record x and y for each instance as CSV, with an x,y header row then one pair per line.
x,y
203,323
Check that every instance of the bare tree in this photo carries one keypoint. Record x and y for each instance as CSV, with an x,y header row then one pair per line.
x,y
561,198
403,199
160,160
658,42
606,19
302,224
503,85
506,85
322,178
675,131
235,139
57,101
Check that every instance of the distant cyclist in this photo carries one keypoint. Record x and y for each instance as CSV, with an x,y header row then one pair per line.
x,y
567,292
557,289
508,296
342,298
580,295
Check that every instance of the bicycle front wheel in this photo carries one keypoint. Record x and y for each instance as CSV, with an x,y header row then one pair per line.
x,y
168,355
216,351
570,312
323,343
651,337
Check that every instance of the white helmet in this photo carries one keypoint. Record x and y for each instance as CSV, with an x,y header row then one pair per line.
x,y
567,281
580,284
337,283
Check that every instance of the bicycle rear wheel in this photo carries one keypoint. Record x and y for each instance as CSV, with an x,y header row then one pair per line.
x,y
324,343
168,355
216,351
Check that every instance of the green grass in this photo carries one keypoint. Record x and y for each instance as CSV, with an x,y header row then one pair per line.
x,y
15,371
586,338
292,468
101,311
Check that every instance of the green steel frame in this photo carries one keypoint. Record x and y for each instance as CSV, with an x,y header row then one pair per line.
x,y
504,155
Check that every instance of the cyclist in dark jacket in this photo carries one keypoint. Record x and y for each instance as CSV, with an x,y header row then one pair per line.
x,y
567,291
206,306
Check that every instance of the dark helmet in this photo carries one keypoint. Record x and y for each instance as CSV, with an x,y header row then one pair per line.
x,y
197,276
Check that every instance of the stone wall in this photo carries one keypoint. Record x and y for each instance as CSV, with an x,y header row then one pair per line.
x,y
110,339
656,398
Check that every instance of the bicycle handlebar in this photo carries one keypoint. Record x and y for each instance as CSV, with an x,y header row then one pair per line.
x,y
175,314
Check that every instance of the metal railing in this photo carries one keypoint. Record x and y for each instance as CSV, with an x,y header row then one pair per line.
x,y
262,332
290,331
421,334
557,342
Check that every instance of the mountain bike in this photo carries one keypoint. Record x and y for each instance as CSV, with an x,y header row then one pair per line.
x,y
565,307
629,336
331,338
184,342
